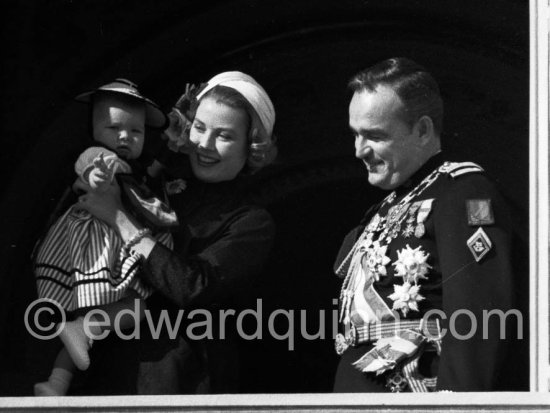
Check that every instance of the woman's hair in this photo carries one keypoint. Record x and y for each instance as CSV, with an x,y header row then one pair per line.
x,y
259,154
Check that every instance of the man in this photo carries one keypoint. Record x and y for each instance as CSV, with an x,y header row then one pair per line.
x,y
426,262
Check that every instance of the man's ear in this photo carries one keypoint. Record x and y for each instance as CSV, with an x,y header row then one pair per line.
x,y
425,129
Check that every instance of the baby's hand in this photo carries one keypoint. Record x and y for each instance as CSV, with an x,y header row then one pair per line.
x,y
101,175
98,179
100,164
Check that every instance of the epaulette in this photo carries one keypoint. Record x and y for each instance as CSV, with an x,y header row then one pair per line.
x,y
456,169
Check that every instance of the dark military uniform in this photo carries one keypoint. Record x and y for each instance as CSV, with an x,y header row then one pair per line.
x,y
442,243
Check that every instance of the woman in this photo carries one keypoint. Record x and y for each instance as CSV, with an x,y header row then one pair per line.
x,y
223,241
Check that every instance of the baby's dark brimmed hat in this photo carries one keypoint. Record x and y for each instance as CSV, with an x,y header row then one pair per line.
x,y
154,116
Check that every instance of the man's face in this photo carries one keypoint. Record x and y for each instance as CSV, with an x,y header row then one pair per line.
x,y
387,145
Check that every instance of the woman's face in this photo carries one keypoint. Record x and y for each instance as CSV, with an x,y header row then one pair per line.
x,y
219,133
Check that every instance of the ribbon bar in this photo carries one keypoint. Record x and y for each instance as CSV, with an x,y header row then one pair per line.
x,y
375,331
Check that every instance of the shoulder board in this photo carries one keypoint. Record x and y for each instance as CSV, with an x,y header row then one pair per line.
x,y
456,169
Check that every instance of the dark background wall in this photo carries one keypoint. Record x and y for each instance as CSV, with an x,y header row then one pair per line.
x,y
303,52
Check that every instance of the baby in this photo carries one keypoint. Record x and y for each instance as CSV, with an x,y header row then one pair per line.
x,y
82,263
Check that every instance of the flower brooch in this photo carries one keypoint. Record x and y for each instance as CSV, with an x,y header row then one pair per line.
x,y
181,118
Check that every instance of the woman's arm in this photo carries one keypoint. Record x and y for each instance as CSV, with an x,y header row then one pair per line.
x,y
221,267
218,271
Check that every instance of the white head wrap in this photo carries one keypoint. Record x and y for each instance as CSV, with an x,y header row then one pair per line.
x,y
253,93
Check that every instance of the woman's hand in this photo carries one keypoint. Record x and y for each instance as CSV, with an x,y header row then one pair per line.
x,y
104,204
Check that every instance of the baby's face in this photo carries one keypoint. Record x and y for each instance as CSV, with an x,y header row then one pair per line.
x,y
119,125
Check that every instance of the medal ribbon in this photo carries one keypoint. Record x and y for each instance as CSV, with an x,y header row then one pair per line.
x,y
424,211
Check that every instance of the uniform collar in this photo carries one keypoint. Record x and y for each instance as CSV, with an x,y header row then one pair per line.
x,y
420,174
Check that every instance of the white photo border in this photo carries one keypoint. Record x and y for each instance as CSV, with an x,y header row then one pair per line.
x,y
538,399
389,402
538,200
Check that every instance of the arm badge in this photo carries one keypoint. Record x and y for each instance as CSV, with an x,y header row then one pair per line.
x,y
479,212
479,244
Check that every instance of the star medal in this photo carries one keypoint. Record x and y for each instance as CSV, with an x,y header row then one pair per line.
x,y
408,231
